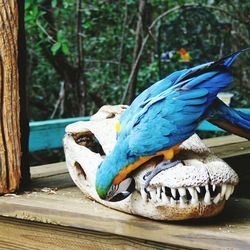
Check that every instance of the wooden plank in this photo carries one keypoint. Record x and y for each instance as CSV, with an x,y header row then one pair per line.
x,y
49,134
224,140
68,207
232,150
207,126
33,235
228,146
49,170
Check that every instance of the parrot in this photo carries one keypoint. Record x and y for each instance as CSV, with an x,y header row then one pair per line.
x,y
162,117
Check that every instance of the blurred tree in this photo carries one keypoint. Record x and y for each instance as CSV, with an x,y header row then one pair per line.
x,y
60,63
54,47
195,44
139,35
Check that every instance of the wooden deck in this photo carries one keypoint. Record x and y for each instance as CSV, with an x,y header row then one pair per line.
x,y
228,146
54,214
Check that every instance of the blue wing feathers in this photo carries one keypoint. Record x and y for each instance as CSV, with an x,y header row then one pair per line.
x,y
168,112
197,101
196,93
200,79
192,108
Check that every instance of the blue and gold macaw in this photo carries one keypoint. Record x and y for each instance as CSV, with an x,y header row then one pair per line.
x,y
162,117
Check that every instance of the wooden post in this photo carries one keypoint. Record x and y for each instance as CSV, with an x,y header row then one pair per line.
x,y
10,132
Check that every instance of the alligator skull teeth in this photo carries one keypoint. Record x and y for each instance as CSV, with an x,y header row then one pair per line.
x,y
182,192
198,189
188,196
173,192
207,198
216,198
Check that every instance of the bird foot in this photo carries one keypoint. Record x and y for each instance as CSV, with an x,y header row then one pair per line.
x,y
160,167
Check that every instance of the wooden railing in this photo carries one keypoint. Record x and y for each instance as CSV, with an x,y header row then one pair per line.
x,y
49,134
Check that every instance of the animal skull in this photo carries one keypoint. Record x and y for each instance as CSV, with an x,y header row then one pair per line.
x,y
197,187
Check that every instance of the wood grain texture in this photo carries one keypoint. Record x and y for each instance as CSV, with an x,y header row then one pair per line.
x,y
10,147
63,205
24,123
228,146
32,235
224,140
55,213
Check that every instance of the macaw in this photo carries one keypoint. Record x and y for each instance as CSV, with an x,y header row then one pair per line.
x,y
162,117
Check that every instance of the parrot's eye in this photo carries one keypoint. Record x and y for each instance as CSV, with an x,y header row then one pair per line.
x,y
121,191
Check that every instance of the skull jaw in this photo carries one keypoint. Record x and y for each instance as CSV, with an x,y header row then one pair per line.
x,y
202,168
134,204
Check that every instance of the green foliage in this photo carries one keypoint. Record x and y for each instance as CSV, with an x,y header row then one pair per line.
x,y
109,29
108,32
61,43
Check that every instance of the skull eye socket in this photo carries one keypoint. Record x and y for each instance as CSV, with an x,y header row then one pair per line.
x,y
79,169
110,115
88,140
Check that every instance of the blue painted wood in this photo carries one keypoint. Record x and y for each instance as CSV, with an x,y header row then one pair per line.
x,y
206,126
49,134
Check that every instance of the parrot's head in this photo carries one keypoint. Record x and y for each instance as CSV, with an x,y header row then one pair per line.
x,y
112,183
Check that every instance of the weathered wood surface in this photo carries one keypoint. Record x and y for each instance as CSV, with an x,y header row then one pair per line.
x,y
32,235
10,137
96,224
228,146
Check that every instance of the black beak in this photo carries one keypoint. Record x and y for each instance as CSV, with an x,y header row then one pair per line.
x,y
121,191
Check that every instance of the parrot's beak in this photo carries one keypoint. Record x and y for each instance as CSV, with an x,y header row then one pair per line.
x,y
121,191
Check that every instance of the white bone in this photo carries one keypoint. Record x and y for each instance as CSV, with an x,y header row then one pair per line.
x,y
200,167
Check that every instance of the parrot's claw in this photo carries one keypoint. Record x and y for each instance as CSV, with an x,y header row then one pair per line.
x,y
160,167
145,177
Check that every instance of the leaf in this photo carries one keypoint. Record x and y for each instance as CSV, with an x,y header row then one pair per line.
x,y
65,4
65,48
35,11
54,3
59,36
56,46
28,18
27,4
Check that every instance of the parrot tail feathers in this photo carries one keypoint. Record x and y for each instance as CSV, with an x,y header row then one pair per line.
x,y
221,65
229,60
229,119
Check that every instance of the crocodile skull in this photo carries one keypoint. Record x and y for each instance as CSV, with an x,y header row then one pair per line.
x,y
197,187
